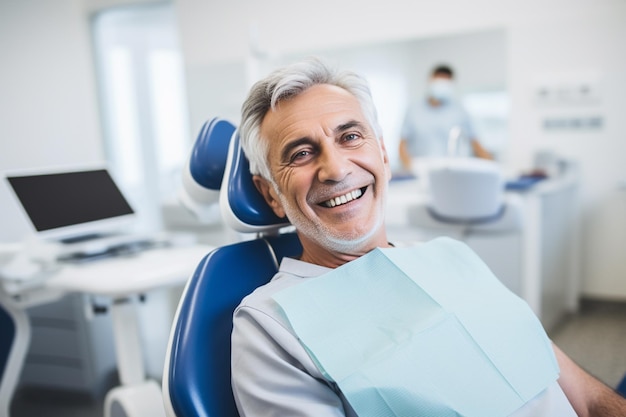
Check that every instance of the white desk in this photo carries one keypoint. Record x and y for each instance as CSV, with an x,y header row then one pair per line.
x,y
122,278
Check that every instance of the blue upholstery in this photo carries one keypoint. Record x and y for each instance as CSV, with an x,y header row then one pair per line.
x,y
199,372
208,155
7,330
245,202
203,174
14,340
621,388
196,379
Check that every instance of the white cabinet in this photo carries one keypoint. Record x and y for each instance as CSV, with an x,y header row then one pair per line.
x,y
71,348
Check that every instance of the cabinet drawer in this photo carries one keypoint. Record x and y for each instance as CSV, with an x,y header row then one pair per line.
x,y
55,342
58,376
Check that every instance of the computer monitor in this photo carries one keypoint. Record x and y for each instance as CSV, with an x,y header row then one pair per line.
x,y
71,204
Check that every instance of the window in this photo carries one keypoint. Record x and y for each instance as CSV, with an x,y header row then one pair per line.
x,y
143,101
489,111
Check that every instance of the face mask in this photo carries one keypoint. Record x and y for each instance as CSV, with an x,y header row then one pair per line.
x,y
441,90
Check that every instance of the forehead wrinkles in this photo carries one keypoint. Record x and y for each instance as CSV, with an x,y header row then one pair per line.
x,y
322,107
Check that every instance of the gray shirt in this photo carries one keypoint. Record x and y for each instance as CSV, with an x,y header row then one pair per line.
x,y
274,376
426,129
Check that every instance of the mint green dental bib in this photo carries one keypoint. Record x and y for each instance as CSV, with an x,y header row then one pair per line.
x,y
426,330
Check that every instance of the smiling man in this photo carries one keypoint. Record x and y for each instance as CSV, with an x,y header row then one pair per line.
x,y
329,174
317,156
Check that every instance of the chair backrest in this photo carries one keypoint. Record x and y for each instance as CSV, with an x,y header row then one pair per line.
x,y
621,387
14,340
196,379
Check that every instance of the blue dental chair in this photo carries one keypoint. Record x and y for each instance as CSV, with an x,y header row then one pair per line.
x,y
196,378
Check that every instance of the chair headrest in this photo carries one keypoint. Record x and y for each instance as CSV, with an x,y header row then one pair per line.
x,y
218,170
209,153
243,207
202,175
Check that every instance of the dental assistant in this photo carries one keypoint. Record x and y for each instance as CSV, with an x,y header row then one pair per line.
x,y
428,123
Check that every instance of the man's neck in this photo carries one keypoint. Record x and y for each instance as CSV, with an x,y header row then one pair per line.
x,y
434,102
317,255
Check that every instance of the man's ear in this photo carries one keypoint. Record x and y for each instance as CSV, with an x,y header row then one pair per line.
x,y
269,194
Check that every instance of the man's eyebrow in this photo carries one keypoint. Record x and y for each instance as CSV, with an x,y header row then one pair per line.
x,y
349,125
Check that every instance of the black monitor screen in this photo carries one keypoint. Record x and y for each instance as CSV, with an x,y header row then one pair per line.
x,y
64,199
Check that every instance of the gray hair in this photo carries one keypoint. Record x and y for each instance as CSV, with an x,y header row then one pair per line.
x,y
286,83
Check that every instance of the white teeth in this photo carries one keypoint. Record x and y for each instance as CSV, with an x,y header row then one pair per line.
x,y
343,199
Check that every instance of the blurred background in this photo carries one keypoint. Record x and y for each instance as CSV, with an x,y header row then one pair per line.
x,y
131,83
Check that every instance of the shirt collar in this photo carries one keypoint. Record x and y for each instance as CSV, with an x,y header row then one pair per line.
x,y
301,268
308,270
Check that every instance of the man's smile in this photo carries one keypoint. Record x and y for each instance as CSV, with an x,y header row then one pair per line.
x,y
345,198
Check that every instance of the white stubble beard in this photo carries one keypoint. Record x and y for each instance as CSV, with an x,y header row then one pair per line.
x,y
323,235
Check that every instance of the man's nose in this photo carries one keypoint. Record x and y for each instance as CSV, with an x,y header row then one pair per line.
x,y
334,166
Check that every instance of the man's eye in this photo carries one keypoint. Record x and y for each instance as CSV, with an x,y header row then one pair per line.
x,y
351,137
300,155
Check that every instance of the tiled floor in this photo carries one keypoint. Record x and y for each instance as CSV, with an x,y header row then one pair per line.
x,y
40,403
595,338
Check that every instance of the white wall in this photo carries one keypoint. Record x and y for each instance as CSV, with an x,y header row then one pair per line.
x,y
547,40
586,46
48,112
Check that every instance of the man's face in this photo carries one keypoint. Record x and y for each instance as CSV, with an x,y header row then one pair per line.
x,y
440,88
330,172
